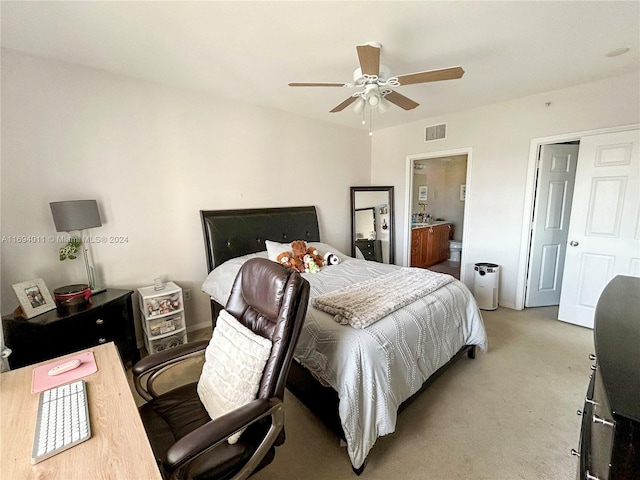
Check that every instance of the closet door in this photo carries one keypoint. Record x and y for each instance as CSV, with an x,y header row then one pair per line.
x,y
604,231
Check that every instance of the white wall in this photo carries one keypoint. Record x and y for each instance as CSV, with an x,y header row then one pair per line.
x,y
153,157
500,136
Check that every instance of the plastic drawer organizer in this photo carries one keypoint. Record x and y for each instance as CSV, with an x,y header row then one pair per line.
x,y
162,314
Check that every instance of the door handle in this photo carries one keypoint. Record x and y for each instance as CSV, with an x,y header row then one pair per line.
x,y
573,243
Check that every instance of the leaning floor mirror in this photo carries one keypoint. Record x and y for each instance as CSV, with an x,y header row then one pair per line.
x,y
372,225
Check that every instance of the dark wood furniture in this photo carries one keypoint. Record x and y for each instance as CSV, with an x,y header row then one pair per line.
x,y
371,249
371,196
610,433
430,245
108,317
233,233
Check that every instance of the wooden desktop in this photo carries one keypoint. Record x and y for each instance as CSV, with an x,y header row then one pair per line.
x,y
118,447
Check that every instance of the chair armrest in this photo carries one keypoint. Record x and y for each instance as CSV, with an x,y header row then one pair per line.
x,y
151,367
219,430
166,357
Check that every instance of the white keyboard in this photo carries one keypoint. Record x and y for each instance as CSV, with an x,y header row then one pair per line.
x,y
62,422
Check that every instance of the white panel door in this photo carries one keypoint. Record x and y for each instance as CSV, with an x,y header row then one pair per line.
x,y
604,231
554,192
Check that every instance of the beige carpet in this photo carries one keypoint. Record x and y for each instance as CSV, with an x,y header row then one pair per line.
x,y
508,414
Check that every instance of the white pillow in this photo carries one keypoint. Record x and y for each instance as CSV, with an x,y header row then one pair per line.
x,y
274,249
234,361
219,282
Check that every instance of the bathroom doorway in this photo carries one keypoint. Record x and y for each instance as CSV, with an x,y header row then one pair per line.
x,y
437,199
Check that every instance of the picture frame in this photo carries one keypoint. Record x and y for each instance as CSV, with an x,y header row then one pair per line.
x,y
463,193
423,191
34,297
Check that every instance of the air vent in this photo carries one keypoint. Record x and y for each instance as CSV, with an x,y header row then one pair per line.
x,y
435,132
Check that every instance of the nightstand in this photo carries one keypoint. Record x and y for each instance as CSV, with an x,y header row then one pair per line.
x,y
109,317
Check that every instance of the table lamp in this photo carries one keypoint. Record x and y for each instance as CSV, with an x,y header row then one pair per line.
x,y
79,215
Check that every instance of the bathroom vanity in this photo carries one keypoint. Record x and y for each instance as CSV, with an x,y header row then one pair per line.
x,y
430,243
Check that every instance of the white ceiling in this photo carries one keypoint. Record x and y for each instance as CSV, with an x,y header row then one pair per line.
x,y
251,50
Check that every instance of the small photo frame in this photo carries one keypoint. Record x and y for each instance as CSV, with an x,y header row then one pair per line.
x,y
34,297
463,193
422,193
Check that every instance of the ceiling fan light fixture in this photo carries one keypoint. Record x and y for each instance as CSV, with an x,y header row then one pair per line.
x,y
384,105
373,99
372,95
375,82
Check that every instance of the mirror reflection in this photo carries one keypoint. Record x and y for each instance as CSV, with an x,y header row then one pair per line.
x,y
372,223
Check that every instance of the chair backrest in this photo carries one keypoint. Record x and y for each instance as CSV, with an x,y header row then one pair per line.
x,y
271,300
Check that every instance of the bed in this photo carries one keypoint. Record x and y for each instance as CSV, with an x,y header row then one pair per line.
x,y
356,380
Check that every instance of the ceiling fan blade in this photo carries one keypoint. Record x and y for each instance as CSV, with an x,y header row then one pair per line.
x,y
344,104
369,57
316,84
431,76
401,100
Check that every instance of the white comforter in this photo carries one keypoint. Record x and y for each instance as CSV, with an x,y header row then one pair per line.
x,y
376,368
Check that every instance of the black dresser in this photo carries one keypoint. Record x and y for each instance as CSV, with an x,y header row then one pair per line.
x,y
108,317
610,433
371,249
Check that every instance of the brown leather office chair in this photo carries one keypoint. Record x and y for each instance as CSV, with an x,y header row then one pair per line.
x,y
271,300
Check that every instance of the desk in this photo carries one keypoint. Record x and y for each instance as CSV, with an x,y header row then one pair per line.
x,y
118,447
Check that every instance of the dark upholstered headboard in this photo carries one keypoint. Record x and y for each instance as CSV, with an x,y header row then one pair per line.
x,y
233,233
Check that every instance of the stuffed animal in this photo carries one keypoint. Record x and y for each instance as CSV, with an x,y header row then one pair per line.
x,y
296,258
299,248
310,265
285,259
331,259
316,256
297,264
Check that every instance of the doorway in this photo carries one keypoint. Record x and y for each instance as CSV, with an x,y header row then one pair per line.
x,y
436,197
602,237
555,179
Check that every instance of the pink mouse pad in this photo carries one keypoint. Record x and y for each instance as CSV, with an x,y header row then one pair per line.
x,y
41,380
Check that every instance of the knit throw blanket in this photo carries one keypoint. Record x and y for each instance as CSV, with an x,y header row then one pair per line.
x,y
364,303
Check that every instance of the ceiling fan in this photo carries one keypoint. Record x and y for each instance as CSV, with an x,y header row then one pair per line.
x,y
376,82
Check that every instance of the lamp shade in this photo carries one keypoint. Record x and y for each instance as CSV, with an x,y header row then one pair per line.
x,y
75,215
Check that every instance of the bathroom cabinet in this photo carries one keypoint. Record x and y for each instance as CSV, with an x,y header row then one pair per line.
x,y
430,244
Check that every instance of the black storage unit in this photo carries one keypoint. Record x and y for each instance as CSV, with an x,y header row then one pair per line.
x,y
371,249
108,317
610,433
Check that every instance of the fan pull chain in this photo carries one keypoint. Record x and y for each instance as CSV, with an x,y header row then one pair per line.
x,y
370,122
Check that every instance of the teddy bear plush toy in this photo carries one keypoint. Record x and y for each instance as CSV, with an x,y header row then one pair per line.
x,y
286,259
317,258
300,250
298,258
